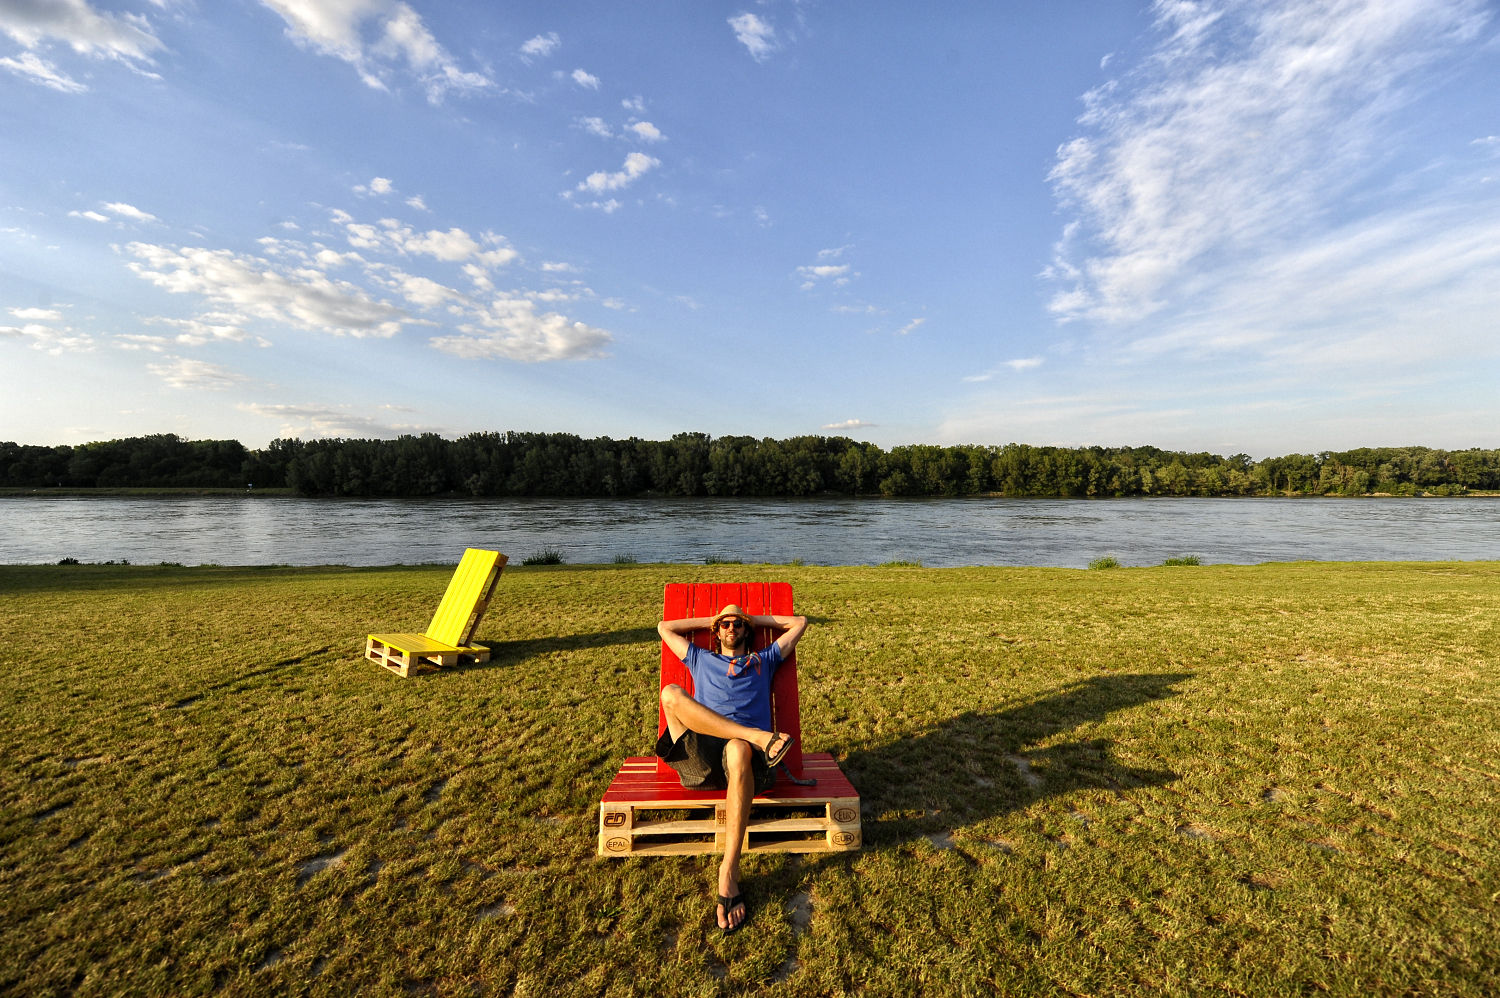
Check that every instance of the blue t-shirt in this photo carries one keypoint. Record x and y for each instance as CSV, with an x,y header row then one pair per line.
x,y
738,688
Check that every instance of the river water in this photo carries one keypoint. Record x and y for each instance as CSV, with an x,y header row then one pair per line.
x,y
265,530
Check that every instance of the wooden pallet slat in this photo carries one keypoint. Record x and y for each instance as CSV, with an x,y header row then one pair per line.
x,y
405,654
788,818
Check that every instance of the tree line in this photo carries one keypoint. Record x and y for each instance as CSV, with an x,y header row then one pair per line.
x,y
696,464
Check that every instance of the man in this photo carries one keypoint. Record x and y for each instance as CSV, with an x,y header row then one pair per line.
x,y
723,735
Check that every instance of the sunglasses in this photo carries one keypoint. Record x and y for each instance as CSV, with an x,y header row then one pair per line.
x,y
731,622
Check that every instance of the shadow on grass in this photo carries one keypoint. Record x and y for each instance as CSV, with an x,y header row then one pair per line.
x,y
509,653
982,765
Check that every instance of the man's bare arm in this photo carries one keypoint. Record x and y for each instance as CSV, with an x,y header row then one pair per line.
x,y
791,630
678,634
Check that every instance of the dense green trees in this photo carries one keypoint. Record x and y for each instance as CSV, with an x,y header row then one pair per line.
x,y
695,464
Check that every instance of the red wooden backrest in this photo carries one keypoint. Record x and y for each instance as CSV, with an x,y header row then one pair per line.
x,y
704,599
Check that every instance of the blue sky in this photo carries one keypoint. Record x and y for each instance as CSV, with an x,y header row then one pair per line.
x,y
1234,226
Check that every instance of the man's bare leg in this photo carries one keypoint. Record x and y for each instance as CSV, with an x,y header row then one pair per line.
x,y
741,790
684,713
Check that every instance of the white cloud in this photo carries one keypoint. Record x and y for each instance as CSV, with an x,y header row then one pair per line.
x,y
1403,288
636,165
417,203
378,38
40,334
910,327
378,187
209,329
307,421
75,23
130,211
118,209
1017,365
1242,134
453,246
586,80
511,329
849,424
645,131
300,297
596,126
814,274
31,67
198,375
758,37
636,105
541,46
37,314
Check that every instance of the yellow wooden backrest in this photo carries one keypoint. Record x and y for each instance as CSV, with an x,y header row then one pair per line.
x,y
468,595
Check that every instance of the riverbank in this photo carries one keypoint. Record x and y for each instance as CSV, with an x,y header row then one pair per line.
x,y
142,493
89,493
1143,781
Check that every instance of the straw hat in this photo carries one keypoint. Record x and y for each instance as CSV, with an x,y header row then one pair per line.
x,y
731,610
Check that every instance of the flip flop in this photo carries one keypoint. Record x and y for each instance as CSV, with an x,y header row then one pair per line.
x,y
774,759
738,901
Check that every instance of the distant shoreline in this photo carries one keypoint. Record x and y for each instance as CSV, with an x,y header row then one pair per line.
x,y
76,492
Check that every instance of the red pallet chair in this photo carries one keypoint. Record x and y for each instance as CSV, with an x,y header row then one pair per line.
x,y
811,808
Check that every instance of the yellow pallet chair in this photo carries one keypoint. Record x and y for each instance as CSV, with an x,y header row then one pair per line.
x,y
449,638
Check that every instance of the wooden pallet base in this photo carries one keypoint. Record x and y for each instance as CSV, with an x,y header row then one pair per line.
x,y
648,813
404,654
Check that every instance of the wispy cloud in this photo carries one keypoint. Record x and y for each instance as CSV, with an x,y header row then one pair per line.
x,y
381,39
118,209
849,424
44,329
309,420
758,37
585,79
188,373
81,27
541,46
32,67
1213,153
37,314
1017,365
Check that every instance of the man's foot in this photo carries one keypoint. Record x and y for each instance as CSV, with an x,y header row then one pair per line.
x,y
730,913
777,748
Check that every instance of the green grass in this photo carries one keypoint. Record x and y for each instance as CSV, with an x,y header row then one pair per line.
x,y
1236,780
1106,562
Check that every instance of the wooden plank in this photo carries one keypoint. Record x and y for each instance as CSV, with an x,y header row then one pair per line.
x,y
825,818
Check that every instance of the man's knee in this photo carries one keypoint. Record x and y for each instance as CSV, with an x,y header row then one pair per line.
x,y
671,695
738,755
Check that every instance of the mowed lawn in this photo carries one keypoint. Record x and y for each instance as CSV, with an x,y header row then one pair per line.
x,y
1176,780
